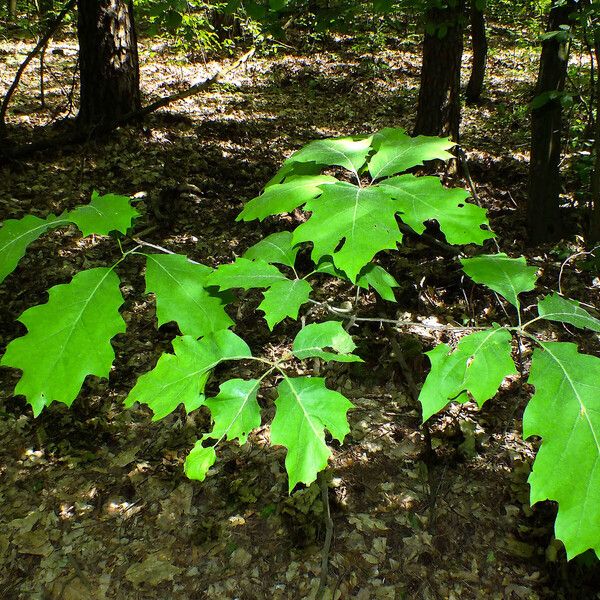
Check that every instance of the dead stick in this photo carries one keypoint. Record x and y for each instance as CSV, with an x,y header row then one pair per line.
x,y
41,44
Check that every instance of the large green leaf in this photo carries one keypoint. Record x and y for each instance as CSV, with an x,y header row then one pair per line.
x,y
68,338
348,152
104,214
284,299
181,295
245,274
507,276
235,413
420,199
313,339
397,152
284,197
364,218
275,248
565,413
379,279
17,234
180,378
565,310
478,365
304,409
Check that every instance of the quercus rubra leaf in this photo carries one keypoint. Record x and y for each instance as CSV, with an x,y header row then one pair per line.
x,y
181,295
275,248
180,377
235,413
364,218
420,199
507,276
103,214
199,461
397,152
379,279
294,169
348,152
313,339
245,274
565,310
304,409
17,234
565,413
284,299
284,197
478,365
68,338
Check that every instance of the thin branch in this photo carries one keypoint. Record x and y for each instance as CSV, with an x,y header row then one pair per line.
x,y
328,536
160,249
41,44
348,314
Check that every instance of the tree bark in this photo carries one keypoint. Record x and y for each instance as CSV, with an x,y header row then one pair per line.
x,y
544,223
480,48
12,10
438,109
594,227
108,61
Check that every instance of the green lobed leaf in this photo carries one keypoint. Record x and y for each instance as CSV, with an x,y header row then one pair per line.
x,y
234,410
199,461
478,365
104,214
379,279
397,151
68,338
347,152
363,218
235,413
420,199
284,197
284,299
17,234
565,413
181,377
293,169
565,310
181,295
304,409
312,340
507,276
275,248
245,274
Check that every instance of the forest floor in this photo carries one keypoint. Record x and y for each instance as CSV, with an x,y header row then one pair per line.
x,y
94,500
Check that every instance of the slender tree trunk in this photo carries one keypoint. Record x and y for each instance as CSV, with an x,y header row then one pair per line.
x,y
594,229
543,215
108,61
480,48
438,109
12,10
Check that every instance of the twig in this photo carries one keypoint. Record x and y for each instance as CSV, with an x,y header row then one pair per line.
x,y
159,248
41,44
564,264
195,89
347,314
465,165
328,536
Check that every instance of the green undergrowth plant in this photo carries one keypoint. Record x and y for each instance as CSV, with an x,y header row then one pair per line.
x,y
354,192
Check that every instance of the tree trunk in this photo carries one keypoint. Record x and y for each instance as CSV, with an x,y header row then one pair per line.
x,y
594,228
480,47
108,61
438,109
12,10
544,223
